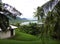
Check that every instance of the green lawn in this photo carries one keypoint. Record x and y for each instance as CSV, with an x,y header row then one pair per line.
x,y
18,42
27,42
23,38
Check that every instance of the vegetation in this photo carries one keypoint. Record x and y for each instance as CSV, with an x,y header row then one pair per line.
x,y
39,13
52,22
23,38
47,33
32,29
5,15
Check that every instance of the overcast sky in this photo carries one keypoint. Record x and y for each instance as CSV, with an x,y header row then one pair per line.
x,y
26,7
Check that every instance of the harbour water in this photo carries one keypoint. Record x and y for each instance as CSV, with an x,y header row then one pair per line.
x,y
26,23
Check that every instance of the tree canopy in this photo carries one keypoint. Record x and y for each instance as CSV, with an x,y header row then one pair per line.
x,y
7,11
52,18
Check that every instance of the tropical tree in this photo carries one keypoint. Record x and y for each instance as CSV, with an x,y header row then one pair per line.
x,y
52,22
52,19
39,13
5,15
57,25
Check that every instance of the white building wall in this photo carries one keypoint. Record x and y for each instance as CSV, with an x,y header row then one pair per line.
x,y
6,34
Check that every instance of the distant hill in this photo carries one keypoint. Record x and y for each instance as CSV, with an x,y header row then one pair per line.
x,y
24,18
18,20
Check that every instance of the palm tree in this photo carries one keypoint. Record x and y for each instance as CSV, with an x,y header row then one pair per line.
x,y
52,21
39,13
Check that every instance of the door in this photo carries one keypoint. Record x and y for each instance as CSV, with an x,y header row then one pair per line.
x,y
12,32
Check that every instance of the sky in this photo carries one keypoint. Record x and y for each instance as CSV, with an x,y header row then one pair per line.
x,y
26,7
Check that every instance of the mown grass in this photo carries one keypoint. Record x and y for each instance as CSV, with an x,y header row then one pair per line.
x,y
18,42
28,42
23,38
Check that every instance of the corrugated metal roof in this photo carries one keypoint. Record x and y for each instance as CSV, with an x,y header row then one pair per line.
x,y
13,27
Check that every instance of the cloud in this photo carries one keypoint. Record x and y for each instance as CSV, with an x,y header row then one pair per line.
x,y
26,6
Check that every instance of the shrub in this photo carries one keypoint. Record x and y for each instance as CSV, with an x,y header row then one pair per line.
x,y
32,29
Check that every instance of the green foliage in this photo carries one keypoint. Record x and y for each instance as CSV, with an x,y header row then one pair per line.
x,y
4,21
39,13
27,42
24,37
32,29
52,22
5,15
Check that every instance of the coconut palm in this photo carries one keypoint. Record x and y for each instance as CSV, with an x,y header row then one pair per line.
x,y
52,21
39,13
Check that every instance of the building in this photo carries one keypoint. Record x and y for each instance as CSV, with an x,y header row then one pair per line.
x,y
9,33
